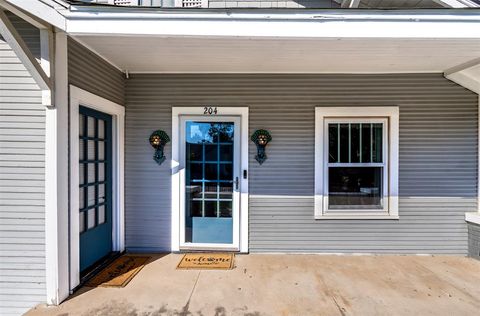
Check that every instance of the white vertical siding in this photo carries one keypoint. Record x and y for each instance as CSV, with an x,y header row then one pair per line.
x,y
438,162
22,181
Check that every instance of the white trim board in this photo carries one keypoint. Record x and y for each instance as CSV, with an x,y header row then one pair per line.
x,y
56,181
177,172
80,97
473,217
467,75
389,112
285,29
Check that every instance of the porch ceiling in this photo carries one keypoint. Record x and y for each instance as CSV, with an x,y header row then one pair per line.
x,y
208,54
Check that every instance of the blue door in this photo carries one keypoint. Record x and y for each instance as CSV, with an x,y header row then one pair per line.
x,y
95,154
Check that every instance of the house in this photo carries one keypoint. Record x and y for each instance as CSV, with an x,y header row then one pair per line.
x,y
338,129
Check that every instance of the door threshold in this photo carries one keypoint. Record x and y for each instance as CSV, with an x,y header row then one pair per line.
x,y
96,268
187,249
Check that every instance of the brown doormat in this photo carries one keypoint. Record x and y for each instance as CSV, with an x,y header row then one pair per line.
x,y
220,261
119,272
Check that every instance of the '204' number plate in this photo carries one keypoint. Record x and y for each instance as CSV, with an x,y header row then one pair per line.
x,y
210,110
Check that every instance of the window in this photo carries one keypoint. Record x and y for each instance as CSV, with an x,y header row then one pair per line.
x,y
356,162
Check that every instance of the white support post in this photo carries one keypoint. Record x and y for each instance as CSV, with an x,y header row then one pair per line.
x,y
474,217
56,180
46,62
468,76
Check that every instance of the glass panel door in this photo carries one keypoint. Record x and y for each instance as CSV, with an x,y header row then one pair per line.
x,y
95,167
211,181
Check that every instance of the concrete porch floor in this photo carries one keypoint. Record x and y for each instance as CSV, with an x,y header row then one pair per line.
x,y
290,285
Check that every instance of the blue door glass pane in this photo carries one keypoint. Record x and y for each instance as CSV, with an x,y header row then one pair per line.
x,y
209,182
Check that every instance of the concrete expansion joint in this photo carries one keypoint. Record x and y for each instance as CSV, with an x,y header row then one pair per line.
x,y
185,310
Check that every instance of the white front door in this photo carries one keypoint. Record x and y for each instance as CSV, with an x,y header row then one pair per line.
x,y
210,184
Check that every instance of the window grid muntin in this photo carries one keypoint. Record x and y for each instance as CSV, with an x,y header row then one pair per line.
x,y
383,164
373,145
87,163
218,163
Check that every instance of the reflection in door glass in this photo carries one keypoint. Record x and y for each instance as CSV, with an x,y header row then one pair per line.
x,y
209,163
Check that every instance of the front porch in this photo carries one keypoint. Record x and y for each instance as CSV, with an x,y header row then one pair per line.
x,y
291,285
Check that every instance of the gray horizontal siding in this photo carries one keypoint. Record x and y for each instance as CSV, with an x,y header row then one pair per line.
x,y
22,180
474,240
438,164
90,72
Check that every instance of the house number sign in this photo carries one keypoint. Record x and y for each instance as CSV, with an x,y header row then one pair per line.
x,y
210,110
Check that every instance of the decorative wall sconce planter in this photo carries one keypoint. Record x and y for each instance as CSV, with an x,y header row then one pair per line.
x,y
158,140
261,138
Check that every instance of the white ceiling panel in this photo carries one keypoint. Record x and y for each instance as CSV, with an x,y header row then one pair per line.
x,y
264,55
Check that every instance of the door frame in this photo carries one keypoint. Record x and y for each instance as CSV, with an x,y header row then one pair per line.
x,y
80,97
178,173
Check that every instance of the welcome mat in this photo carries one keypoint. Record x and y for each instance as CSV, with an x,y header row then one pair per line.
x,y
119,272
220,261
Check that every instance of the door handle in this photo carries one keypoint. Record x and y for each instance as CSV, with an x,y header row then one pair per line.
x,y
236,183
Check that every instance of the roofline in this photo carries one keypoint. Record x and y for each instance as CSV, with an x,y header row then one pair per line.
x,y
97,13
70,18
111,8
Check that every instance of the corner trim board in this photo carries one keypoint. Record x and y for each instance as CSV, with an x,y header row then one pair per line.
x,y
56,181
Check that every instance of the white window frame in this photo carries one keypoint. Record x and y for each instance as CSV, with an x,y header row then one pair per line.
x,y
389,115
80,97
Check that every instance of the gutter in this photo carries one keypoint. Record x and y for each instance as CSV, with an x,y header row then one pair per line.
x,y
142,13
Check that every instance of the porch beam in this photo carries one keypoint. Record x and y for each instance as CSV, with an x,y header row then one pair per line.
x,y
350,4
48,13
11,36
23,15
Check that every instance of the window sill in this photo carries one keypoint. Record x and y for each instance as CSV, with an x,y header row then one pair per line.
x,y
473,217
334,216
